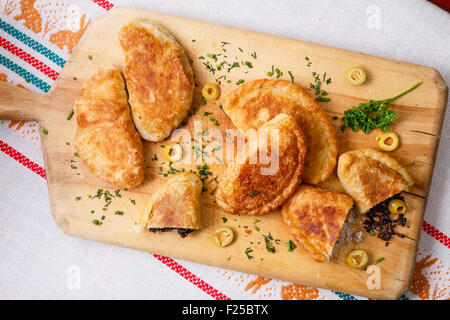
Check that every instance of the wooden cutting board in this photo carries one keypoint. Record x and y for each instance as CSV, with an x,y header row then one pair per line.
x,y
419,126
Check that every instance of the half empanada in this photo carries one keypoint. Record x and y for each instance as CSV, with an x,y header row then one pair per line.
x,y
243,189
106,138
159,79
370,177
175,205
254,103
316,217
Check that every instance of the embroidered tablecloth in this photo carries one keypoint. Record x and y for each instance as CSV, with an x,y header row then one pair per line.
x,y
39,261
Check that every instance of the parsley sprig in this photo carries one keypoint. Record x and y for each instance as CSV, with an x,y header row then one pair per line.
x,y
373,114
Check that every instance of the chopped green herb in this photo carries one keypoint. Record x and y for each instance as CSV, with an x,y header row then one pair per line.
x,y
379,260
103,218
291,76
372,233
256,228
119,213
224,219
76,154
278,72
248,64
335,118
69,116
73,167
90,57
253,55
269,245
77,198
253,193
373,114
74,78
193,40
96,222
323,99
247,252
290,245
45,131
239,82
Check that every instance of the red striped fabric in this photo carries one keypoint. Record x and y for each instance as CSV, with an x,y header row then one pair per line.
x,y
104,4
172,264
435,233
18,52
192,278
23,160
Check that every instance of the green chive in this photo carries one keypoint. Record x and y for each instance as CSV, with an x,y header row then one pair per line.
x,y
323,99
69,116
290,245
44,131
379,260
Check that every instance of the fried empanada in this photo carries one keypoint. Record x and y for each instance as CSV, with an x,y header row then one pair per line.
x,y
244,190
159,79
254,103
175,205
315,217
370,177
106,138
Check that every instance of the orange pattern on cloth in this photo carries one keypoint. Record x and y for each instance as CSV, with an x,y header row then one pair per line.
x,y
9,6
69,38
50,19
257,283
30,15
421,279
299,292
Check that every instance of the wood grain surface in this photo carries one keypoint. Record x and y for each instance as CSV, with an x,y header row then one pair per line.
x,y
419,125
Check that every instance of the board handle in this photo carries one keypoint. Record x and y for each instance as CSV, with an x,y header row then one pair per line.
x,y
19,104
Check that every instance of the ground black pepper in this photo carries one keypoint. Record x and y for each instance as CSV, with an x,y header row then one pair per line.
x,y
381,221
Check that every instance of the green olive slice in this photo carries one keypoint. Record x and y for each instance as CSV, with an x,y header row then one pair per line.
x,y
356,76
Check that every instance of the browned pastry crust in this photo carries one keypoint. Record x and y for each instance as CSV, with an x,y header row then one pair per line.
x,y
254,103
244,190
176,204
159,79
370,177
315,218
106,138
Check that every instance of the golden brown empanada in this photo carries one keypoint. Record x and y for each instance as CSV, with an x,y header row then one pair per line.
x,y
371,176
244,190
175,205
106,138
159,79
254,103
315,217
